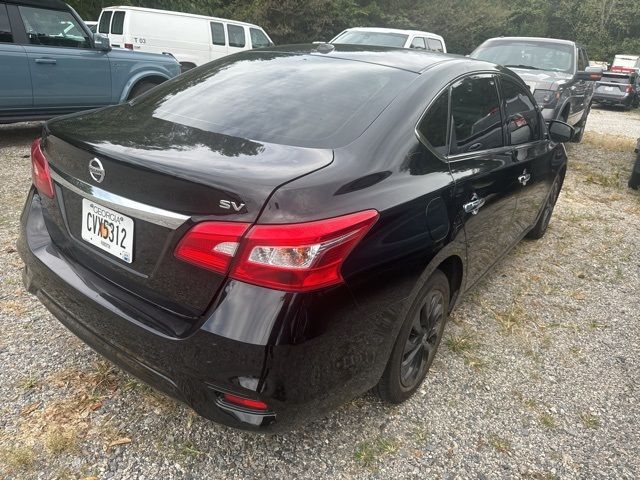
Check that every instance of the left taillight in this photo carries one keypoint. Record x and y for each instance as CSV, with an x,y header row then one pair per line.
x,y
297,257
40,173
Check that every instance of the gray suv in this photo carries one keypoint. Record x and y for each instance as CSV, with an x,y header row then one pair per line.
x,y
51,63
556,71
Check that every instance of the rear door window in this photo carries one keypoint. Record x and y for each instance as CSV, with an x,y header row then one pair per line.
x,y
475,115
258,38
435,45
217,34
117,25
54,28
523,120
434,126
419,43
105,21
236,36
5,27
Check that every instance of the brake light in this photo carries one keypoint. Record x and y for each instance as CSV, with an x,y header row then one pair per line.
x,y
245,402
128,46
211,245
630,89
296,257
40,174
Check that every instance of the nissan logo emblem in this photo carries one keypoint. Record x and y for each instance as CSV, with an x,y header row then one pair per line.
x,y
96,170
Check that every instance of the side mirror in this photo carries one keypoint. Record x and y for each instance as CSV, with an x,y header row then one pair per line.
x,y
101,42
560,132
593,74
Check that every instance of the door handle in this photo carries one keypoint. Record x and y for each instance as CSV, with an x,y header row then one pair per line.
x,y
46,61
474,205
524,178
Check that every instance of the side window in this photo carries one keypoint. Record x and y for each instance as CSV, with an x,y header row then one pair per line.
x,y
236,36
475,112
258,38
5,28
433,127
54,28
523,121
105,21
418,42
217,34
435,45
117,25
582,66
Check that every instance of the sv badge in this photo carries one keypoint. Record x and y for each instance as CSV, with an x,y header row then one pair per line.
x,y
229,205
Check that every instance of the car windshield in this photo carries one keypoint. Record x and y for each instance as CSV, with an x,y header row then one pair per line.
x,y
379,39
288,98
550,56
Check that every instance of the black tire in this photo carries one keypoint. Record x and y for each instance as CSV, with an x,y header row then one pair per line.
x,y
140,88
417,342
541,226
582,125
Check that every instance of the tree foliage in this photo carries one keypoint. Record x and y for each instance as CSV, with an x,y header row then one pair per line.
x,y
606,27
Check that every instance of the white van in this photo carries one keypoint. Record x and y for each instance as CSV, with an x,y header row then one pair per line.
x,y
391,37
191,39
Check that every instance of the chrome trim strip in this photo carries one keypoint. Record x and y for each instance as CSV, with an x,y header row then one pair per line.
x,y
124,205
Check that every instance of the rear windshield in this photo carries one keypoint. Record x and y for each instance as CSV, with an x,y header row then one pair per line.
x,y
550,56
612,78
380,39
293,99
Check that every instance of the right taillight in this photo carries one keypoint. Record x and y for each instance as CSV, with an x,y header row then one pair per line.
x,y
295,257
630,89
40,173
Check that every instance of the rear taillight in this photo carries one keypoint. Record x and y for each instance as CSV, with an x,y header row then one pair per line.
x,y
291,257
245,402
630,89
128,46
40,173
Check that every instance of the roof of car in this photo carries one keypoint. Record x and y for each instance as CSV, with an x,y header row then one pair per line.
x,y
52,4
182,14
411,60
392,30
534,39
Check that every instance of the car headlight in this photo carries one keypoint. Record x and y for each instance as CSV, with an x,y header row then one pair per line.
x,y
546,98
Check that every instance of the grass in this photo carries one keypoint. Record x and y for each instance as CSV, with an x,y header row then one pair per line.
x,y
547,420
612,143
369,452
60,440
501,444
18,457
462,343
589,420
29,382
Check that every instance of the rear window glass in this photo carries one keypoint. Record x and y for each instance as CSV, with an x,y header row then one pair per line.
x,y
236,36
117,26
380,39
105,20
610,78
5,28
300,100
435,45
217,33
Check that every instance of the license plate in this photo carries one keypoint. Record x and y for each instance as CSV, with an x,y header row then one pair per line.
x,y
108,230
608,89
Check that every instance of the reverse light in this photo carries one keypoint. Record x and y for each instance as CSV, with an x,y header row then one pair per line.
x,y
40,173
295,257
245,402
211,245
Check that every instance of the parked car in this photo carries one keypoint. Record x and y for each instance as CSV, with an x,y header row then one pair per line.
x,y
93,26
634,180
618,89
192,39
265,246
391,37
626,64
51,64
556,71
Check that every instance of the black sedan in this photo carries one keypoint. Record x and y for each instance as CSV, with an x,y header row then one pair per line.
x,y
276,232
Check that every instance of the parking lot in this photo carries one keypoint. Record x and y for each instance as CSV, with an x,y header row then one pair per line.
x,y
537,376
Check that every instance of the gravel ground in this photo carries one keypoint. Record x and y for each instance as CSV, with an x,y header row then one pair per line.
x,y
537,376
614,121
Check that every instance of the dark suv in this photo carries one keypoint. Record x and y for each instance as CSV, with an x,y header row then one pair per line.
x,y
618,89
556,71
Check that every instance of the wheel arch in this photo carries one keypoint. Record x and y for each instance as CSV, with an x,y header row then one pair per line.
x,y
141,77
453,268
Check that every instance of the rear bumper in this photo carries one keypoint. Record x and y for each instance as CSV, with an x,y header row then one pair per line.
x,y
624,100
300,374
